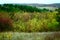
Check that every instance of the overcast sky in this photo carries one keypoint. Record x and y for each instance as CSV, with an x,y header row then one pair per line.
x,y
30,1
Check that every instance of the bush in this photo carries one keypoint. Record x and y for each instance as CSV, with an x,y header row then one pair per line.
x,y
6,24
36,22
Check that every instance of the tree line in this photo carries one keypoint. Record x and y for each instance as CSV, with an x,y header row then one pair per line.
x,y
16,7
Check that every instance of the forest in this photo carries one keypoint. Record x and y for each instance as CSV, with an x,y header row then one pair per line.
x,y
24,18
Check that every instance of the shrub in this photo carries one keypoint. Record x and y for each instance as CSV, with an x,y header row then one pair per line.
x,y
6,23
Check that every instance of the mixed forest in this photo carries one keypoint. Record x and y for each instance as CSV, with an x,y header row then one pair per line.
x,y
24,18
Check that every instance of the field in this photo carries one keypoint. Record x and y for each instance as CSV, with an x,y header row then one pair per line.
x,y
50,8
30,36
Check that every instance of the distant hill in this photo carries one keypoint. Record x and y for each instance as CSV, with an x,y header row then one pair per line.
x,y
40,5
45,5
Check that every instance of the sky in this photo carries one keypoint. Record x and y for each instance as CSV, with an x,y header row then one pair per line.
x,y
30,1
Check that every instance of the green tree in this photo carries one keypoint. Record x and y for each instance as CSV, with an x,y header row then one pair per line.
x,y
58,18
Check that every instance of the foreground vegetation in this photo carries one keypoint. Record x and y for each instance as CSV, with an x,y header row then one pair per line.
x,y
30,36
20,18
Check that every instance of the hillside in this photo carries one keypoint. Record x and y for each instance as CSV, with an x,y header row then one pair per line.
x,y
46,5
25,18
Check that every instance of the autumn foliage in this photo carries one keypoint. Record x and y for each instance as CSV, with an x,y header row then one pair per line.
x,y
5,23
